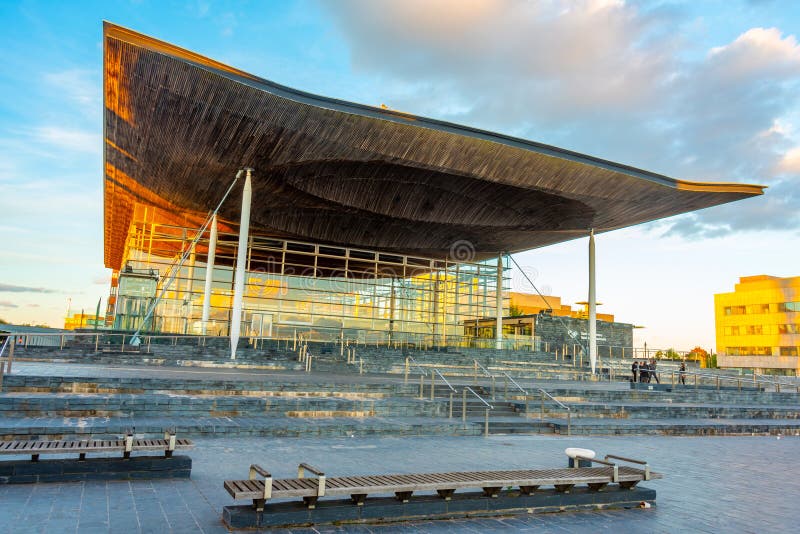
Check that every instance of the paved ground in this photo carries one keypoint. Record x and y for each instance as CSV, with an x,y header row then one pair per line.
x,y
723,484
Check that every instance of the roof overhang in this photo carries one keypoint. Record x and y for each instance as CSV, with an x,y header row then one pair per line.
x,y
178,126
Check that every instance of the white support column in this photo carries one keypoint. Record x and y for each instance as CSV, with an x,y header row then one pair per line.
x,y
499,304
241,259
212,252
189,295
592,305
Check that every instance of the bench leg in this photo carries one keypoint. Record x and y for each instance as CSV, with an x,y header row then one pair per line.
x,y
564,488
34,457
311,502
597,486
628,485
258,505
491,492
446,494
527,490
358,498
403,496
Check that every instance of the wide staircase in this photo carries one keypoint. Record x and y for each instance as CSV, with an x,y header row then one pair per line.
x,y
286,388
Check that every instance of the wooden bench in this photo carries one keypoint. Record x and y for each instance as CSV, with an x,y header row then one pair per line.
x,y
126,446
445,484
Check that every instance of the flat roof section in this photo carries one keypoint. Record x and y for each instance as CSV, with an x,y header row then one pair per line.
x,y
179,125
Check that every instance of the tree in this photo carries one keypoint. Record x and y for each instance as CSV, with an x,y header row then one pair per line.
x,y
3,321
701,355
515,311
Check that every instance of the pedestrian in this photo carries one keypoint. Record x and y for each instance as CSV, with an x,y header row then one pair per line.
x,y
653,373
682,373
644,372
634,370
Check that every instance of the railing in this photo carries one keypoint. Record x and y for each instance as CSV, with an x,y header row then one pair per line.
x,y
452,389
422,375
569,412
464,408
477,365
8,343
717,379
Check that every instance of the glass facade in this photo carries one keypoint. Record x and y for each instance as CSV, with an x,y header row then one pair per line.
x,y
320,291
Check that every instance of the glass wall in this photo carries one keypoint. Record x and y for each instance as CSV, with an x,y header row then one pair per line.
x,y
321,291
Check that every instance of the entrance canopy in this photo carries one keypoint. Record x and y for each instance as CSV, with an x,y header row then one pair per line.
x,y
178,126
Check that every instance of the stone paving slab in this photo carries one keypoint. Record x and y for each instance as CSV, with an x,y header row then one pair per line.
x,y
714,485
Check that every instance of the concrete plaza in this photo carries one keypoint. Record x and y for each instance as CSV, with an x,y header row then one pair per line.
x,y
715,484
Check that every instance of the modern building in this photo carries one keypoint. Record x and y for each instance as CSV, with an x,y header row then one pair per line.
x,y
543,323
758,325
334,219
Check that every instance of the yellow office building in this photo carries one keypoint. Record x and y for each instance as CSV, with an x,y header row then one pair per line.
x,y
758,325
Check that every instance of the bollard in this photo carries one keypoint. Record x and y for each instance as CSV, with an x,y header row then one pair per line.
x,y
451,405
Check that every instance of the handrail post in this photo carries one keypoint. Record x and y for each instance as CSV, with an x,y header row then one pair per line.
x,y
61,346
450,416
474,372
717,383
96,341
421,386
433,383
541,412
672,378
360,366
486,424
464,405
569,422
505,387
405,378
695,381
494,389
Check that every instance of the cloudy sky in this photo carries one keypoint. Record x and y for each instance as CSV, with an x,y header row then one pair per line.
x,y
694,90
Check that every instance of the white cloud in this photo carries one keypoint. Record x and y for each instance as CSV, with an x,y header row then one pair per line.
x,y
69,139
81,87
790,162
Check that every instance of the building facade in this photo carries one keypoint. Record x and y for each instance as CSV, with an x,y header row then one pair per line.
x,y
758,325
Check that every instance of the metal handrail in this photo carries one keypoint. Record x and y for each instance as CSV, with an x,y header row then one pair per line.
x,y
416,364
482,368
543,392
444,380
489,406
737,379
514,382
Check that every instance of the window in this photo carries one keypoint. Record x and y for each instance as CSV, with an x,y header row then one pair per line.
x,y
749,351
757,308
788,351
731,330
788,329
754,330
734,310
785,307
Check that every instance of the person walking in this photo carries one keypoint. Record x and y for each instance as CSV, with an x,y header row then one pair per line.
x,y
634,370
644,372
682,373
653,373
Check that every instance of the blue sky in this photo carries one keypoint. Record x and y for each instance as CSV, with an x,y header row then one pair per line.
x,y
695,90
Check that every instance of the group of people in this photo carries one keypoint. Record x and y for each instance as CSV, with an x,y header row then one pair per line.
x,y
644,371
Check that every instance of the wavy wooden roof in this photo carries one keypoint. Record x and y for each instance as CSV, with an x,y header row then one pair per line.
x,y
178,126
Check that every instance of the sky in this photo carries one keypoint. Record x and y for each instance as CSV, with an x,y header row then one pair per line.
x,y
705,91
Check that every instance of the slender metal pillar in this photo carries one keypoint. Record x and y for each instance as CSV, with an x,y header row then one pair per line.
x,y
592,305
212,252
241,258
499,303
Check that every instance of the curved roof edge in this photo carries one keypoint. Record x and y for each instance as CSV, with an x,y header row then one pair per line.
x,y
119,32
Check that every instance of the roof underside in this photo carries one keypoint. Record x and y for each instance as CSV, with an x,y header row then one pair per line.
x,y
178,126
